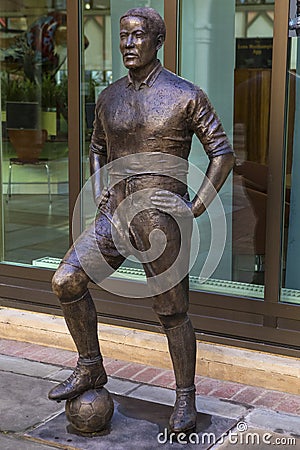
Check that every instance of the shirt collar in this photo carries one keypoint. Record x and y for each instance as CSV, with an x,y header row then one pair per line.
x,y
150,78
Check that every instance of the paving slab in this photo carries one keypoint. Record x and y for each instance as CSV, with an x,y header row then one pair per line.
x,y
212,405
121,387
274,421
26,367
24,402
16,443
135,424
154,394
204,404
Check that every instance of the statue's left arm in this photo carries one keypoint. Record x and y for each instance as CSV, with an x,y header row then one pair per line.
x,y
204,122
216,174
209,130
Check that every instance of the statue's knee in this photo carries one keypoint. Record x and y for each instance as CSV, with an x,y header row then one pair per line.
x,y
173,320
69,283
58,284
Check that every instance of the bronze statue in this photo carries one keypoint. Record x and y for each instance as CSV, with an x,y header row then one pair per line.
x,y
149,111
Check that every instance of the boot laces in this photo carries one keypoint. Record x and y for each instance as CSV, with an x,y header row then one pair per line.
x,y
181,403
72,377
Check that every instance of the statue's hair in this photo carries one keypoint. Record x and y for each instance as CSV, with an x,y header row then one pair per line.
x,y
154,20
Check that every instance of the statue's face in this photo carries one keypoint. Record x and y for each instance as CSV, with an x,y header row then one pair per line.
x,y
138,46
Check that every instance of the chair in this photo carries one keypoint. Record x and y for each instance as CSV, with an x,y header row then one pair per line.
x,y
255,182
28,145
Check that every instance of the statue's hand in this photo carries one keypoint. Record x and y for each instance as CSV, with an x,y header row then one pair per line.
x,y
102,200
171,203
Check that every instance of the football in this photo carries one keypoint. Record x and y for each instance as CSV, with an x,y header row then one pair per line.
x,y
91,411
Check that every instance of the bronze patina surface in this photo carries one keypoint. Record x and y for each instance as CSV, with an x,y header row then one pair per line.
x,y
154,113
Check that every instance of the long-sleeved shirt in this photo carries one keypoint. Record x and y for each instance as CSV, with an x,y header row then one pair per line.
x,y
158,117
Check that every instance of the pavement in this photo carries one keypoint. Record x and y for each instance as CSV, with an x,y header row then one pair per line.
x,y
230,415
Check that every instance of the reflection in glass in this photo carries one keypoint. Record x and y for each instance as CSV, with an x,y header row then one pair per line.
x,y
291,239
231,60
102,58
239,86
97,70
252,81
102,65
34,161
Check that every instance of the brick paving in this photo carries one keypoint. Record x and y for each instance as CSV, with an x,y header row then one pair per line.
x,y
224,390
248,395
164,379
206,386
269,399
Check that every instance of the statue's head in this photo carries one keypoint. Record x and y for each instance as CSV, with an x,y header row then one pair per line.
x,y
142,34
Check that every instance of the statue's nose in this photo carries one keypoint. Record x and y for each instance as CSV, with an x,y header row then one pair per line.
x,y
129,42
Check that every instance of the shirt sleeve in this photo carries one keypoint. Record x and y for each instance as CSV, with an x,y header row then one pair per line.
x,y
98,140
208,128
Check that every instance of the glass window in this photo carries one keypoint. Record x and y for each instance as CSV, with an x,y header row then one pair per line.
x,y
102,58
291,240
102,65
226,49
34,148
97,68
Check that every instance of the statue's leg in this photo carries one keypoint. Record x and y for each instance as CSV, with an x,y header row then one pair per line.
x,y
97,254
171,307
170,268
70,285
182,346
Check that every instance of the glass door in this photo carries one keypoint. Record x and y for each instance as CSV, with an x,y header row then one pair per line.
x,y
34,133
224,47
229,55
102,65
102,62
290,291
97,65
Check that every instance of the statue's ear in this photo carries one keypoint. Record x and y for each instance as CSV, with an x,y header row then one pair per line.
x,y
159,41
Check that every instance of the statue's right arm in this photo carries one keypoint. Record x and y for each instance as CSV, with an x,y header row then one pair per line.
x,y
97,157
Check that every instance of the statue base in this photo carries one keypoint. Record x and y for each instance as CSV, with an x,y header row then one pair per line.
x,y
135,424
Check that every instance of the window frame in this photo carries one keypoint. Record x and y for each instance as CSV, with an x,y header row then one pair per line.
x,y
264,325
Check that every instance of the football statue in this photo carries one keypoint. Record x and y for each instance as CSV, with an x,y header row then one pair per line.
x,y
91,411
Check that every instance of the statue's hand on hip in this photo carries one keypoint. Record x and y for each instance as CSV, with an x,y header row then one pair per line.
x,y
102,200
171,203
